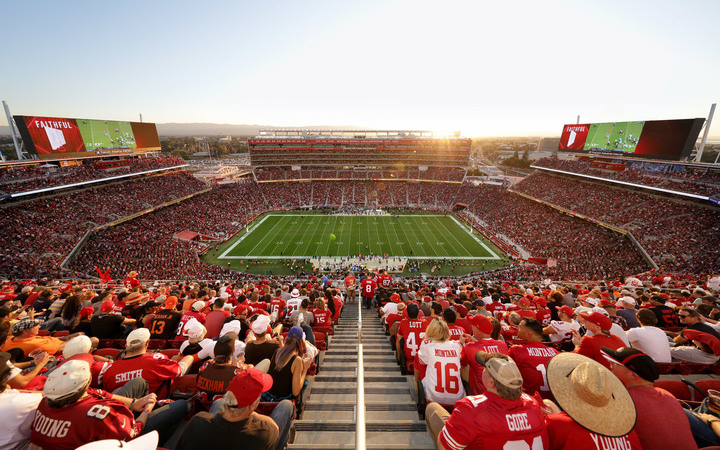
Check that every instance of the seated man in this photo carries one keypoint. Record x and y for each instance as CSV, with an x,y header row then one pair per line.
x,y
698,342
17,408
155,368
654,406
502,417
482,328
71,414
237,425
603,419
25,337
532,358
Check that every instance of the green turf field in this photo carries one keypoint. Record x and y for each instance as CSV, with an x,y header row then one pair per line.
x,y
618,136
106,134
283,243
307,236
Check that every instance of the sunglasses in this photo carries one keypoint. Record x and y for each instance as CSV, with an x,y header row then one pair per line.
x,y
682,316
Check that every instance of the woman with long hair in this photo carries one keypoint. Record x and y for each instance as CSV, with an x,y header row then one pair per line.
x,y
288,367
440,357
71,311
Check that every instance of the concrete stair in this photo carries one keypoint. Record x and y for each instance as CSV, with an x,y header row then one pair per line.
x,y
329,418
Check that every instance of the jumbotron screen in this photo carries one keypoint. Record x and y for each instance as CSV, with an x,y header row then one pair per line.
x,y
656,139
56,137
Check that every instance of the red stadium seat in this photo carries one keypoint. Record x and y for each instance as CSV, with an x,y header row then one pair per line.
x,y
172,343
706,384
106,343
677,388
108,352
170,352
59,334
669,367
183,386
157,344
43,333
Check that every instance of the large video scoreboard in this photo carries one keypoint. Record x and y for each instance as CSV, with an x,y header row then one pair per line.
x,y
57,137
656,139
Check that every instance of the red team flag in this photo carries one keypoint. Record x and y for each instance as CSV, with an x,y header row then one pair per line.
x,y
104,276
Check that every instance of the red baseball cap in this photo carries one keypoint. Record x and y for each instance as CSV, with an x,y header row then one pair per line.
x,y
107,306
598,319
524,302
248,385
540,301
87,311
395,298
239,309
567,310
482,323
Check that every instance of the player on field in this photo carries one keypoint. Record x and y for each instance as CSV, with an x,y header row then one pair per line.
x,y
500,419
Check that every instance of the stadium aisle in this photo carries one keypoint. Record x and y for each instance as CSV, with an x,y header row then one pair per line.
x,y
328,421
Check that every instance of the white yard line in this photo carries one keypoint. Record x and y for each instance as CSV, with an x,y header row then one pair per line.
x,y
240,239
494,255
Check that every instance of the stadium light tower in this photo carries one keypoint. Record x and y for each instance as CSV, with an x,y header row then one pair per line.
x,y
18,146
708,122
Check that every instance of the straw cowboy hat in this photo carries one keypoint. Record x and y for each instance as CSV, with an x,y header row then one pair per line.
x,y
591,395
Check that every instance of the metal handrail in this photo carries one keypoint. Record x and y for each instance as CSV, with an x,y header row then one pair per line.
x,y
360,402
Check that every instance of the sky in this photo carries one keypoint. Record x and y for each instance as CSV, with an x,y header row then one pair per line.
x,y
485,68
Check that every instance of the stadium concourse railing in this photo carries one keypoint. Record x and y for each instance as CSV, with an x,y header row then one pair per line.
x,y
613,228
90,182
79,245
626,183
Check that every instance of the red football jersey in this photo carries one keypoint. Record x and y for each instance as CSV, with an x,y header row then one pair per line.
x,y
489,422
323,318
544,316
187,315
277,305
467,357
532,360
153,367
566,434
456,332
496,309
385,280
413,332
368,287
527,313
130,283
90,419
350,281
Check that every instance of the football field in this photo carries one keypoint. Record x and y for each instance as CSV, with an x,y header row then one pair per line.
x,y
282,236
622,136
106,134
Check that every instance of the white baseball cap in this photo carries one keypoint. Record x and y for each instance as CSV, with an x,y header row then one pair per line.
x,y
295,293
193,328
198,305
67,379
141,335
76,346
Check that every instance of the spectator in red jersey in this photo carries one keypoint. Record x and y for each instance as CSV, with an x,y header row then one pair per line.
x,y
323,316
498,419
525,311
350,284
131,281
482,327
597,410
410,334
367,290
599,325
654,406
532,358
71,414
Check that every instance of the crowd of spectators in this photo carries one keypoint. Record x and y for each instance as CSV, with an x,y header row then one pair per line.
x,y
679,235
16,180
690,181
39,234
226,326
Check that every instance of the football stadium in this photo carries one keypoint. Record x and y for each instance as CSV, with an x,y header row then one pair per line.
x,y
341,274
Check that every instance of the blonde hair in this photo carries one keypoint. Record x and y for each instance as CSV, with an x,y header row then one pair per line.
x,y
320,303
438,331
